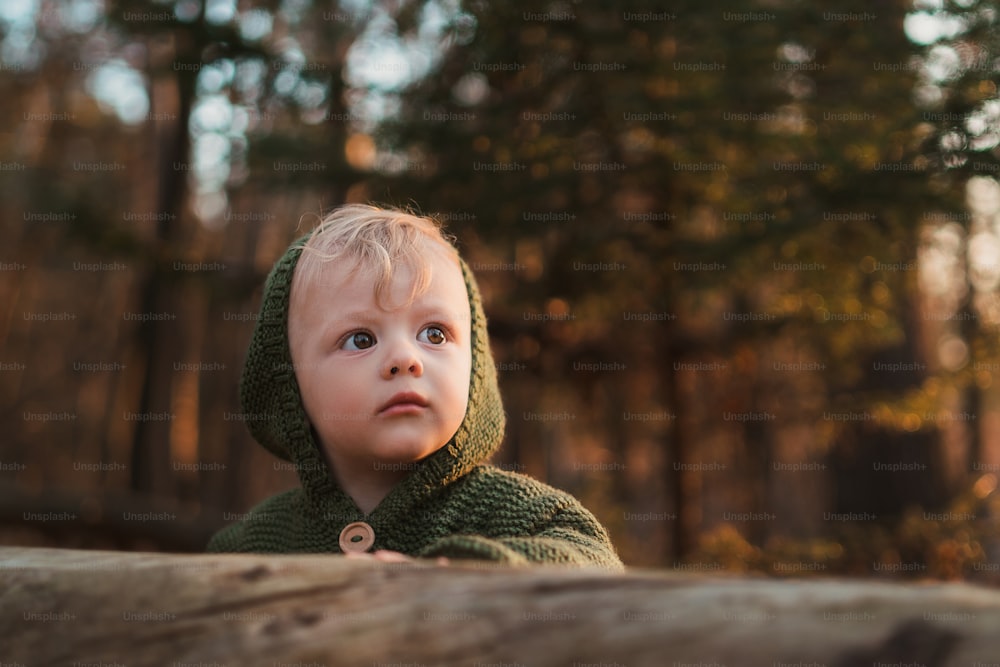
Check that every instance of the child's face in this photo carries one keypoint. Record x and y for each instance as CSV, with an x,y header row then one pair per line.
x,y
382,386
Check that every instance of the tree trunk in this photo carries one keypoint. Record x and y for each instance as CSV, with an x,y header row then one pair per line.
x,y
158,339
66,606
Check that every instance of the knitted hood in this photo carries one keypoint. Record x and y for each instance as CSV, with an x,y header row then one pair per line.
x,y
275,415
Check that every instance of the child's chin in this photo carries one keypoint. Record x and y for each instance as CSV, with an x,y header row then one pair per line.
x,y
407,453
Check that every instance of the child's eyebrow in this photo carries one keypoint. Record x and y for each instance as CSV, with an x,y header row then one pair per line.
x,y
434,310
439,311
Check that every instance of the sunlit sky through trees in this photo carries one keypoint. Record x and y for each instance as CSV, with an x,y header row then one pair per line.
x,y
378,63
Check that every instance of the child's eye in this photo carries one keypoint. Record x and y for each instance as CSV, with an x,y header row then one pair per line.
x,y
359,340
433,335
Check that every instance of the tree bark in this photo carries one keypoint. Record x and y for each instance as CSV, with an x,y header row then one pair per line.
x,y
65,606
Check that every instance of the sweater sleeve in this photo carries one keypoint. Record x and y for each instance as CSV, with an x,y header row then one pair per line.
x,y
225,540
572,537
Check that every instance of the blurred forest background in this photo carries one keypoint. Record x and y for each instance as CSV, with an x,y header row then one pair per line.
x,y
741,266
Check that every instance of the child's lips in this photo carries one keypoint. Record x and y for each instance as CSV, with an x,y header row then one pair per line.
x,y
403,403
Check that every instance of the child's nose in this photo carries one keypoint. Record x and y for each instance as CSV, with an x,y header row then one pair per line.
x,y
402,360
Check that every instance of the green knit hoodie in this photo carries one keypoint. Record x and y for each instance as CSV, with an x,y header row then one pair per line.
x,y
453,504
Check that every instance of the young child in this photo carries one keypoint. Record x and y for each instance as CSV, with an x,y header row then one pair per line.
x,y
370,370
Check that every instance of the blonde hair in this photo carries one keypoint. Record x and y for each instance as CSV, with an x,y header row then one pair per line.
x,y
375,239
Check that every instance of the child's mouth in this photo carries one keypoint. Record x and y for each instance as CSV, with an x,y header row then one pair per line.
x,y
403,403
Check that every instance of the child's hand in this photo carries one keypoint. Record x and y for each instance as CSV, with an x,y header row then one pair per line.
x,y
387,556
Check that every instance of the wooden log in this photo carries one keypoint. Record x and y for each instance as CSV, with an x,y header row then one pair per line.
x,y
66,607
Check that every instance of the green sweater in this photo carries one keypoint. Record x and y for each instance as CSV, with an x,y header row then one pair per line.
x,y
452,504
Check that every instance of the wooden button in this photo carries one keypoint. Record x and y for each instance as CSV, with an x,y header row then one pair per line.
x,y
357,537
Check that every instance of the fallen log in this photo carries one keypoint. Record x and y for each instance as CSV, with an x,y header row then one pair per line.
x,y
66,607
